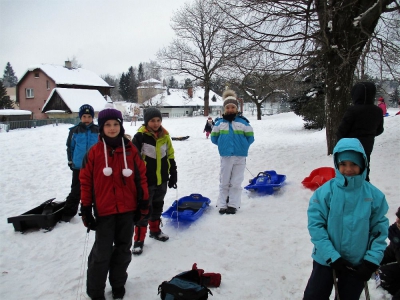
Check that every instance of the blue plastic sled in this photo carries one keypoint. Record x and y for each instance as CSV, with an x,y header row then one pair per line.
x,y
188,208
266,182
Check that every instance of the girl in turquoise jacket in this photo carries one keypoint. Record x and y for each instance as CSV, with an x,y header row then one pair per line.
x,y
347,225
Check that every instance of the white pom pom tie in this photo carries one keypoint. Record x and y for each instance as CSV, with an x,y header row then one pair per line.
x,y
126,172
107,171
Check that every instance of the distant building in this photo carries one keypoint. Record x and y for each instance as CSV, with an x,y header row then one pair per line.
x,y
185,102
65,103
11,92
39,81
148,89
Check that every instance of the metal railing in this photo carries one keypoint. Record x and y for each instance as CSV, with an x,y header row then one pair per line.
x,y
10,125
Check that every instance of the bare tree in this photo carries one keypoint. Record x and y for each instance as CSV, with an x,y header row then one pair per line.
x,y
201,46
290,32
246,72
74,62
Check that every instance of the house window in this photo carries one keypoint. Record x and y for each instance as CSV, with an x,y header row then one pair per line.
x,y
36,74
48,84
29,93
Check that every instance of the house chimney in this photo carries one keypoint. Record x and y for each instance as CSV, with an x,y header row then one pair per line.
x,y
190,91
68,64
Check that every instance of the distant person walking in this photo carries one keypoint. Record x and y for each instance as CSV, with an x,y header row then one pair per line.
x,y
208,127
382,105
363,120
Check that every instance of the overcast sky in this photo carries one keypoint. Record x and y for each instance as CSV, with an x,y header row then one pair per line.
x,y
105,36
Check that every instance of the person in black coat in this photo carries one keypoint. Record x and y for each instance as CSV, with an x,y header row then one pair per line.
x,y
363,120
390,266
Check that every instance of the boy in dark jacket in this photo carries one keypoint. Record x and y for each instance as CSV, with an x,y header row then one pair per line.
x,y
80,138
390,266
154,144
363,120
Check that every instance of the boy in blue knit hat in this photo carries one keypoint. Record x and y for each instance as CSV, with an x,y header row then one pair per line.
x,y
347,225
80,138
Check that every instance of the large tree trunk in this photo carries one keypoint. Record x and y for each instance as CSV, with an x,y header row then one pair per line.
x,y
206,98
342,42
337,98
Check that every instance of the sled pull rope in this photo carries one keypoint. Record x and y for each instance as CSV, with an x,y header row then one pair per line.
x,y
335,284
249,172
177,203
82,268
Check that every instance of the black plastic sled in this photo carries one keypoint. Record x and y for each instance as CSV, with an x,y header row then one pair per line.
x,y
180,138
44,216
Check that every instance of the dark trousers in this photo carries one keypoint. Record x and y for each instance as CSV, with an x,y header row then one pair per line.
x,y
320,285
74,197
110,253
390,278
156,202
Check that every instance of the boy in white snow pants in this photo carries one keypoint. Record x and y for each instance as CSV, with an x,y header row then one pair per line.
x,y
233,135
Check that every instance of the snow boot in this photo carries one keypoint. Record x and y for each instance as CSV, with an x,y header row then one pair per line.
x,y
139,236
155,231
137,248
222,211
118,293
230,210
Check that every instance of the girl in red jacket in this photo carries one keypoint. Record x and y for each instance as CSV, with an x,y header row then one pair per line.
x,y
113,183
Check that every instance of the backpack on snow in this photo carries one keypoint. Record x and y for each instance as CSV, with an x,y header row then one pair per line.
x,y
184,286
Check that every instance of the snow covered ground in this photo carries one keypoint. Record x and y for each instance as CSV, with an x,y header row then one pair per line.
x,y
262,252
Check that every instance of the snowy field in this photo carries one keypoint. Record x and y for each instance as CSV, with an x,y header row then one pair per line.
x,y
262,252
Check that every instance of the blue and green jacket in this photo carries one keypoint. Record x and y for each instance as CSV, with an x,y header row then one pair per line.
x,y
346,216
80,139
232,138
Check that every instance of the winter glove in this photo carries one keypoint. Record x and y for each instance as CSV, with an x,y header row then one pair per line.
x,y
173,178
87,218
394,234
142,211
341,266
70,165
365,270
173,174
208,279
211,279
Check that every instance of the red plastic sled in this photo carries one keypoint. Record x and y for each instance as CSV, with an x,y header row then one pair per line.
x,y
318,177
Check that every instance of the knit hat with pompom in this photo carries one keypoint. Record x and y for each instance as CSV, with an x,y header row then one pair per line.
x,y
110,114
230,97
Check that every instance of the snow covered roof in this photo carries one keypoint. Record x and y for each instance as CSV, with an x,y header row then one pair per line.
x,y
180,98
14,112
63,75
151,80
75,98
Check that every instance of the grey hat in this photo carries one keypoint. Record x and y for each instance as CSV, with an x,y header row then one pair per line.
x,y
150,113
